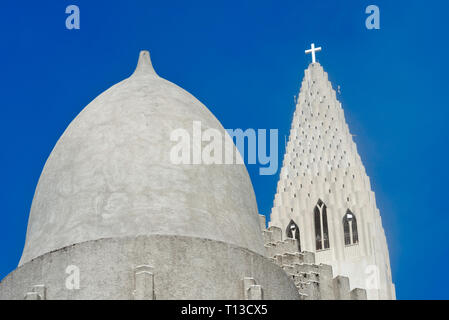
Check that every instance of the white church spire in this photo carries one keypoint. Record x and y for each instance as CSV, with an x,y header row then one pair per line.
x,y
321,180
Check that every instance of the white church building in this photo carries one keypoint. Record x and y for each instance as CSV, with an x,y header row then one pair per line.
x,y
324,193
113,218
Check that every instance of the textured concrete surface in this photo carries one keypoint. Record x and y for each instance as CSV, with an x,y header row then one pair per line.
x,y
177,268
110,174
322,162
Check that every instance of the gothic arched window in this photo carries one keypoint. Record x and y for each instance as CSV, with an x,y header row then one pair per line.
x,y
321,229
292,231
350,228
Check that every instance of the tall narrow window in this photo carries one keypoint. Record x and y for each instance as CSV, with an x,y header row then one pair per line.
x,y
292,231
321,227
350,228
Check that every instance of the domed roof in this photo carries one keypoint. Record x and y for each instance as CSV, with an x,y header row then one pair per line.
x,y
110,174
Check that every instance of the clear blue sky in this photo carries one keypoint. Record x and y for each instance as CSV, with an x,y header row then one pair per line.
x,y
245,61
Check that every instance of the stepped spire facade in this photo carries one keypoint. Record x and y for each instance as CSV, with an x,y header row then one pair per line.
x,y
324,197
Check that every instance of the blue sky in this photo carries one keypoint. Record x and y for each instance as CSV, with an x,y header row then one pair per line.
x,y
245,60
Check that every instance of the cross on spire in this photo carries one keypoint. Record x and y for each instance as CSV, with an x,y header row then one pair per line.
x,y
312,50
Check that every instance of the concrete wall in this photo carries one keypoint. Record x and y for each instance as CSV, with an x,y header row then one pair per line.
x,y
150,267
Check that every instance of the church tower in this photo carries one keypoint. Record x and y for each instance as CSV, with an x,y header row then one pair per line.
x,y
324,193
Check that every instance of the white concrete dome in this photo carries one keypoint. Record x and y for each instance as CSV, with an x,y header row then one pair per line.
x,y
110,174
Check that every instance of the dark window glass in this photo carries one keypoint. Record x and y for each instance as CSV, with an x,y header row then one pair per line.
x,y
318,229
292,231
350,228
347,233
321,226
325,229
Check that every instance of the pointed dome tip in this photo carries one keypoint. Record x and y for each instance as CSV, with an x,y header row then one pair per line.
x,y
144,56
144,64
